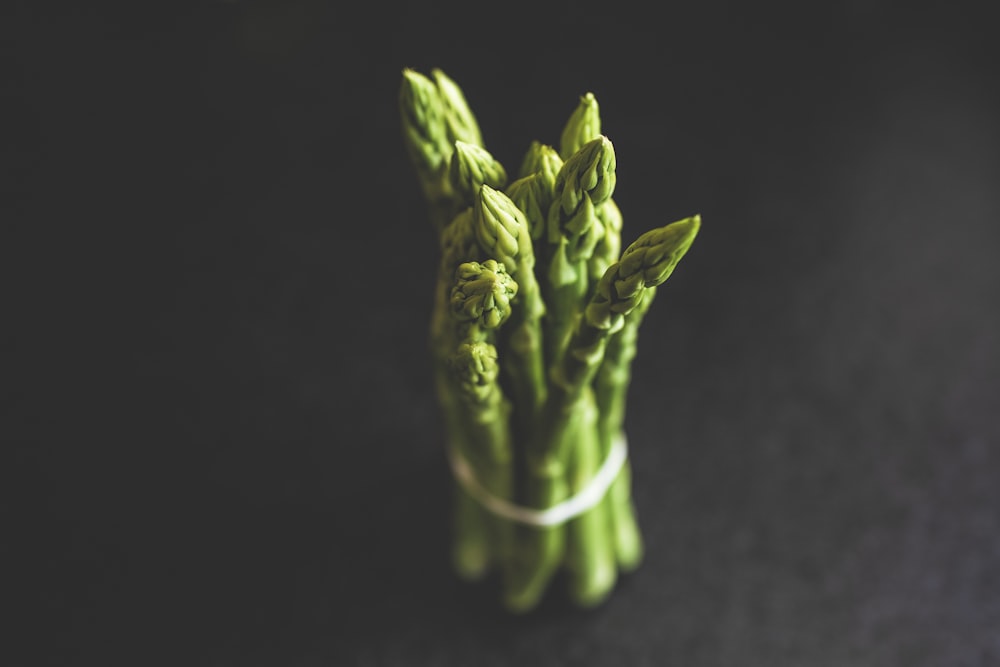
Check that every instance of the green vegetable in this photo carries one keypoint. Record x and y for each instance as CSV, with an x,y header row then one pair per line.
x,y
584,124
584,182
533,335
479,303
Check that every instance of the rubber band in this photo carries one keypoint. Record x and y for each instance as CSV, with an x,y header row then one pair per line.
x,y
559,513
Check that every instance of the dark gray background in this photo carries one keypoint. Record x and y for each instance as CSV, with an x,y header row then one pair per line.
x,y
225,448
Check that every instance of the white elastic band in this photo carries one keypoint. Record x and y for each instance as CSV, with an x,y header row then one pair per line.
x,y
559,513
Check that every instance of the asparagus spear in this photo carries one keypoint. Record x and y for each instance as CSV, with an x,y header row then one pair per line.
x,y
647,262
481,540
471,541
611,388
434,115
590,559
470,167
584,125
535,188
586,180
593,570
470,545
488,450
590,553
502,232
480,303
528,195
426,141
609,246
482,294
538,551
459,121
457,244
541,158
619,295
424,134
587,176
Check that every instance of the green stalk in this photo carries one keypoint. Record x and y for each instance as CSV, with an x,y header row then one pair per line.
x,y
584,182
533,194
479,303
611,385
503,233
590,555
471,550
647,262
573,229
538,550
434,117
470,540
488,448
609,246
458,245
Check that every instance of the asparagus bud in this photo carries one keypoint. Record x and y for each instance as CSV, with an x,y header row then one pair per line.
x,y
647,262
475,368
501,228
459,121
528,194
584,125
458,242
482,293
502,231
590,171
582,231
470,167
534,191
423,120
432,120
542,158
585,181
608,247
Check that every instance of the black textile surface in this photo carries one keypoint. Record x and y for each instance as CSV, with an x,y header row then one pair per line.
x,y
221,442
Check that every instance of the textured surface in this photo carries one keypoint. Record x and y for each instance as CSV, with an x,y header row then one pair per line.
x,y
218,402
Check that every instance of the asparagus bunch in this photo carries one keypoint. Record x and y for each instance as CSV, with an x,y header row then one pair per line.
x,y
534,331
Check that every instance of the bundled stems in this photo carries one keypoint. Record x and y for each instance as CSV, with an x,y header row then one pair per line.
x,y
533,335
